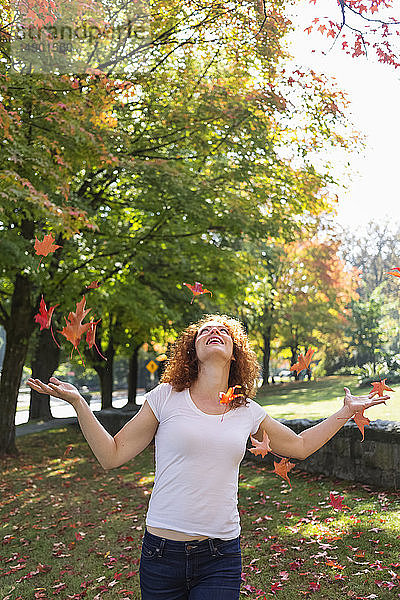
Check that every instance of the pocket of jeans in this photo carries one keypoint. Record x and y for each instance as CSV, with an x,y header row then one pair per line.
x,y
149,552
231,548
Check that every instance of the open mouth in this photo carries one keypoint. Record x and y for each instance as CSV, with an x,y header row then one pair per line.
x,y
214,340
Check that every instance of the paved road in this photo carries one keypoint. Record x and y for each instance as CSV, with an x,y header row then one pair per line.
x,y
61,409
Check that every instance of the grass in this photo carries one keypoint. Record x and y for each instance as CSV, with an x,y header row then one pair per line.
x,y
319,399
70,530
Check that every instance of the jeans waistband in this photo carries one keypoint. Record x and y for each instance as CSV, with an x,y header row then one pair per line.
x,y
184,545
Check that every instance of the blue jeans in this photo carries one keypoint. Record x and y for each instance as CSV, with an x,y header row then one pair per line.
x,y
206,570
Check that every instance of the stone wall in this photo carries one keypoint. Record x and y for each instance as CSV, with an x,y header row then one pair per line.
x,y
375,461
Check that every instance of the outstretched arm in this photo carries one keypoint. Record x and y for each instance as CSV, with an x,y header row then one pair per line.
x,y
285,442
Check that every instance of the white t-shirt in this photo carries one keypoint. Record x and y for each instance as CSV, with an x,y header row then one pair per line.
x,y
197,464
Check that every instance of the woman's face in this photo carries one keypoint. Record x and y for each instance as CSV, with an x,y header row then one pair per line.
x,y
214,340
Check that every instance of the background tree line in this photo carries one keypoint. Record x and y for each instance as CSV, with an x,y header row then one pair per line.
x,y
198,166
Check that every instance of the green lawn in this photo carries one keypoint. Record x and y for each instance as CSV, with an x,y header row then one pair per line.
x,y
70,530
319,399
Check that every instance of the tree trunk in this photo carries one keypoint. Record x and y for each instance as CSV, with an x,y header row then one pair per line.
x,y
44,363
294,350
104,369
266,354
19,329
133,376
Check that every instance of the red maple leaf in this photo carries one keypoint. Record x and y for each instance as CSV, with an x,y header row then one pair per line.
x,y
43,317
282,468
336,501
74,330
91,336
314,586
260,447
378,387
45,247
361,421
303,362
197,289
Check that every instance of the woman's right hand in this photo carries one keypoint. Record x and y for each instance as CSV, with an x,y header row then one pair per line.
x,y
58,389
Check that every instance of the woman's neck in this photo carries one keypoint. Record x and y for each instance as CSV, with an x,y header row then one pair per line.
x,y
212,379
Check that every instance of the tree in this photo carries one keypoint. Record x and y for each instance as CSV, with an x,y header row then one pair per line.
x,y
359,25
367,335
314,290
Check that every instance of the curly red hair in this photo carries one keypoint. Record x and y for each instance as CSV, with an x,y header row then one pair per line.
x,y
182,367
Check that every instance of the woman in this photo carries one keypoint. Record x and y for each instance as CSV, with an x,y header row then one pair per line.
x,y
191,546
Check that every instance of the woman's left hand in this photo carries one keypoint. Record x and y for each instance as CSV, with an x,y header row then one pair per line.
x,y
359,403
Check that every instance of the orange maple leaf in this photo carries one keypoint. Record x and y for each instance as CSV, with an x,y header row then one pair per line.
x,y
74,330
45,247
360,420
197,289
394,271
303,362
225,398
282,468
378,388
91,336
260,447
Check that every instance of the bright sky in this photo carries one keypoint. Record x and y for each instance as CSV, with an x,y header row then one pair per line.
x,y
374,92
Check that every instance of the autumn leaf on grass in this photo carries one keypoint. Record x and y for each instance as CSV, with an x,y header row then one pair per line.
x,y
378,388
43,317
260,447
75,329
361,421
303,362
67,451
91,336
394,271
282,468
197,289
336,501
45,247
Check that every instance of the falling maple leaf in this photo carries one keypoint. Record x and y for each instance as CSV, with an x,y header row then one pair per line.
x,y
45,247
43,317
91,336
282,468
396,272
74,330
225,398
260,447
197,289
336,501
361,421
303,362
378,388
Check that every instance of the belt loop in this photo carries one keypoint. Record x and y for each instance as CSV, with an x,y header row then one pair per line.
x,y
160,550
212,547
